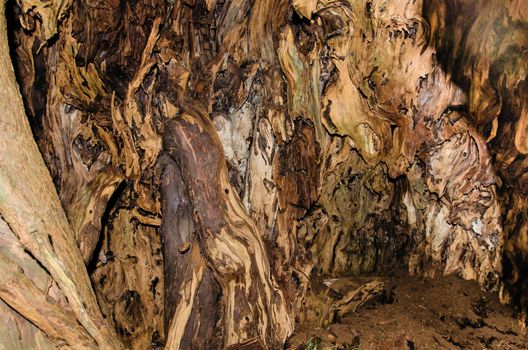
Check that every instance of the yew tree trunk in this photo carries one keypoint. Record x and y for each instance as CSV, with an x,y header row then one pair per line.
x,y
176,174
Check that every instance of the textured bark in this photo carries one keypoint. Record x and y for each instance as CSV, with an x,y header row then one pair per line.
x,y
188,327
254,306
24,286
496,52
214,158
30,205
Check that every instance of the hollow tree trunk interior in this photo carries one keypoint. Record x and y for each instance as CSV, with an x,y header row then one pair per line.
x,y
203,174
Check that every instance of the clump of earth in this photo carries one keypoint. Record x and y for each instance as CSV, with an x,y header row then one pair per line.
x,y
408,312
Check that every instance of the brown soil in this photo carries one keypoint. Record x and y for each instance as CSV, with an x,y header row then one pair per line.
x,y
444,313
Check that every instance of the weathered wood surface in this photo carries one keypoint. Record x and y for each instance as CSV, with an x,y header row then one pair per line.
x,y
485,48
29,204
254,306
214,157
188,282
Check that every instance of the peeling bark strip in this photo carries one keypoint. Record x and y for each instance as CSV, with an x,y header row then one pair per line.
x,y
191,294
254,306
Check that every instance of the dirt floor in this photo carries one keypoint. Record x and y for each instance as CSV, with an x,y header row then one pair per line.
x,y
414,313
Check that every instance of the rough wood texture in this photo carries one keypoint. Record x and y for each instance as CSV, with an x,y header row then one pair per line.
x,y
486,49
188,327
24,286
254,306
214,157
30,206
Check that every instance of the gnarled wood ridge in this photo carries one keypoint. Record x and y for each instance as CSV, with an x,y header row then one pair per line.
x,y
175,173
